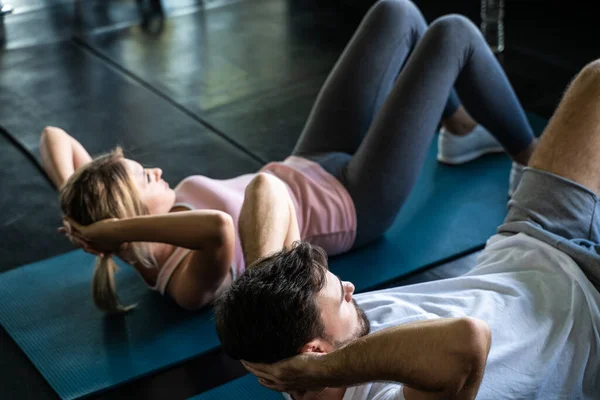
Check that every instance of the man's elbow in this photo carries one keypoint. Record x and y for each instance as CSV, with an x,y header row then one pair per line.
x,y
479,338
476,339
51,132
45,137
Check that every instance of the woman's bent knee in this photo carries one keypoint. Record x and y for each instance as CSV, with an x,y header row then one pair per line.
x,y
393,8
455,26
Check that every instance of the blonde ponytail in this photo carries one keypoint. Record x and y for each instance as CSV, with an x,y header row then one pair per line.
x,y
99,190
104,289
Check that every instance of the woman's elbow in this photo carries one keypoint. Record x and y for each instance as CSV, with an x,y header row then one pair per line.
x,y
192,303
224,229
196,302
202,295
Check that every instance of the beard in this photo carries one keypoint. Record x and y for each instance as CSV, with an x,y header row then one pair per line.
x,y
364,327
364,324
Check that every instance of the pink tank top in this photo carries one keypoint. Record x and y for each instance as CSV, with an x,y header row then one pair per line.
x,y
325,211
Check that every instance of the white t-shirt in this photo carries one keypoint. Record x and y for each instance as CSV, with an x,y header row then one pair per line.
x,y
543,312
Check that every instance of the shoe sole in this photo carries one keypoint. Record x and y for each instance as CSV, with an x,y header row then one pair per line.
x,y
465,158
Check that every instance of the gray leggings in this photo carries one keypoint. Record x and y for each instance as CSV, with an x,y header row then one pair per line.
x,y
378,111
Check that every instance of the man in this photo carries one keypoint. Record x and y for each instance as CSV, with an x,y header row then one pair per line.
x,y
528,314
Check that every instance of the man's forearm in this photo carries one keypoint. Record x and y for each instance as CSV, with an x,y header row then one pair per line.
x,y
267,221
446,356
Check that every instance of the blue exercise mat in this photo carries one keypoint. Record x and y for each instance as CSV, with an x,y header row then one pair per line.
x,y
246,387
48,311
452,210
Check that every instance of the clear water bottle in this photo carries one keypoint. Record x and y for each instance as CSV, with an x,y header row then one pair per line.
x,y
492,23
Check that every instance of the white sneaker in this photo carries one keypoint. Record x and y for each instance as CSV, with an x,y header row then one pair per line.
x,y
5,9
454,149
516,172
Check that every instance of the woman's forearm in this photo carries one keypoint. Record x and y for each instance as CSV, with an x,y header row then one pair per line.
x,y
61,155
195,230
445,356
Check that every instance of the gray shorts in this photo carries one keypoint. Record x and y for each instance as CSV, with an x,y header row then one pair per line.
x,y
560,212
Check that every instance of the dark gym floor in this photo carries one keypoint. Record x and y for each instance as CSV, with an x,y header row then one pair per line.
x,y
237,76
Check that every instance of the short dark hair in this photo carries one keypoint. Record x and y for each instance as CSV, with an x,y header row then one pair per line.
x,y
270,311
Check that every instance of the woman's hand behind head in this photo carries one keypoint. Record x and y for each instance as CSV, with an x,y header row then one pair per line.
x,y
98,238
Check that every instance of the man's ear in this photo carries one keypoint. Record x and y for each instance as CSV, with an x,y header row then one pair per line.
x,y
316,346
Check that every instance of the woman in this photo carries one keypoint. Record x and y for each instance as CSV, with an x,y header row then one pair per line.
x,y
354,165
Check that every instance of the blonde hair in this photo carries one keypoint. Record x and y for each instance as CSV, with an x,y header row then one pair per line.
x,y
99,190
